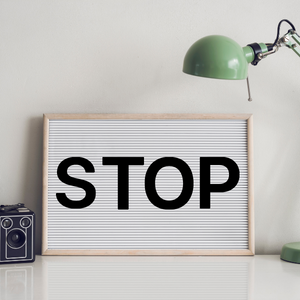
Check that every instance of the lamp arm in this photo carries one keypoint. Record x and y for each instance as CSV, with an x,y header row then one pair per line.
x,y
291,40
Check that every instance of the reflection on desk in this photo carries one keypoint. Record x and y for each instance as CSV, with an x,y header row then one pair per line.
x,y
146,277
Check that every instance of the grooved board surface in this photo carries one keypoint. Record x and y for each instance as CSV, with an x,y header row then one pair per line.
x,y
144,226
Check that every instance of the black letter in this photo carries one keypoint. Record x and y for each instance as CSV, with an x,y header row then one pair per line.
x,y
65,178
187,178
123,176
206,187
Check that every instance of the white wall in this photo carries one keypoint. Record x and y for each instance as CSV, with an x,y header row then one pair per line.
x,y
125,56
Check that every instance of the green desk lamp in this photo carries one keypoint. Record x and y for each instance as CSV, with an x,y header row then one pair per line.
x,y
220,57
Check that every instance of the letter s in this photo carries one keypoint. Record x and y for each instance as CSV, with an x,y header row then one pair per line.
x,y
63,175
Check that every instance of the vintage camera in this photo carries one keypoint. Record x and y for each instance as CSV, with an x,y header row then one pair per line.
x,y
17,227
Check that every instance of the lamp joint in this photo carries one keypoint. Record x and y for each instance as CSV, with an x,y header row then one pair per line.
x,y
257,50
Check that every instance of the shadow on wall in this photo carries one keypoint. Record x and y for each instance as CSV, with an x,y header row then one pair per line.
x,y
33,177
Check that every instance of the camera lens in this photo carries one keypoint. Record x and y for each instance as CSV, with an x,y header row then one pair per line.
x,y
16,238
25,222
6,223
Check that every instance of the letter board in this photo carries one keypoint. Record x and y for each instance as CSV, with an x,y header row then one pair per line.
x,y
147,184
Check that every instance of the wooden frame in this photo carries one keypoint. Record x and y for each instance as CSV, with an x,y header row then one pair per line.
x,y
249,121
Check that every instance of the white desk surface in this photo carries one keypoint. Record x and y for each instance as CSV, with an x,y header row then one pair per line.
x,y
150,277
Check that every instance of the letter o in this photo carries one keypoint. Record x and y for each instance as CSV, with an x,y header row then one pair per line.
x,y
187,178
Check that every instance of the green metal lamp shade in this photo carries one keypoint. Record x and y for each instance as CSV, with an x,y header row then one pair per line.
x,y
216,56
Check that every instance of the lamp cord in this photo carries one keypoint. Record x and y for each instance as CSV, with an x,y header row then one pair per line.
x,y
278,30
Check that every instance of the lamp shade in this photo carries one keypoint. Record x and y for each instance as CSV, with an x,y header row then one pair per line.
x,y
216,56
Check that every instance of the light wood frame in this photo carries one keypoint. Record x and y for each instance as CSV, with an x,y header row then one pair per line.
x,y
251,242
